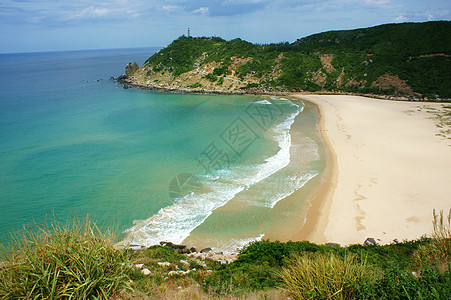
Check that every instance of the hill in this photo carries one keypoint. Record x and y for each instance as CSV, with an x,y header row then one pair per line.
x,y
410,60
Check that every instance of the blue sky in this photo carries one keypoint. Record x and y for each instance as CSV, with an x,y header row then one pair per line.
x,y
44,25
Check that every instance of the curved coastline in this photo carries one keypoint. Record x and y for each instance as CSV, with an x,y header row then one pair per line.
x,y
320,198
324,221
382,181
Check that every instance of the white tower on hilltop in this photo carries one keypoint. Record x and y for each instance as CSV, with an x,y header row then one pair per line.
x,y
189,32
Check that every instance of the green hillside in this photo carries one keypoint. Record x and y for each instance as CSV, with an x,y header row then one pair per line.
x,y
410,59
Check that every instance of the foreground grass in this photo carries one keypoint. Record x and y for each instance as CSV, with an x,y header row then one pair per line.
x,y
78,261
74,260
328,276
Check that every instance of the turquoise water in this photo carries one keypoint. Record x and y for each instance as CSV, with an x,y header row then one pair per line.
x,y
156,165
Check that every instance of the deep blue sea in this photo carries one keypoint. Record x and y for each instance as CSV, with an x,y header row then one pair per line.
x,y
158,166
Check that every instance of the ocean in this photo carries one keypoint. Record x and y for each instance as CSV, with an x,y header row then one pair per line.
x,y
156,166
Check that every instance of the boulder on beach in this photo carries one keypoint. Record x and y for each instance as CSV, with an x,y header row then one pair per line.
x,y
369,242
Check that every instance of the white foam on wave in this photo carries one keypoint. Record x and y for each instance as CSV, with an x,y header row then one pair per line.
x,y
262,102
233,246
295,183
175,222
282,157
306,151
279,98
268,192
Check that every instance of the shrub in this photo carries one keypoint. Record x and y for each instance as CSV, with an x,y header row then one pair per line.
x,y
223,70
252,85
211,77
62,261
274,253
399,283
264,251
327,276
241,279
195,85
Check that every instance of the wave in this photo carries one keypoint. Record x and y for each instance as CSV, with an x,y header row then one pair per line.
x,y
233,246
174,223
268,192
294,183
262,102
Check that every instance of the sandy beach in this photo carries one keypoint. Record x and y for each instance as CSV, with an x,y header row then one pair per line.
x,y
390,166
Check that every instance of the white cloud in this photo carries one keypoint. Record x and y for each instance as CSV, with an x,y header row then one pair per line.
x,y
170,8
378,3
422,16
36,19
201,11
90,12
401,18
93,12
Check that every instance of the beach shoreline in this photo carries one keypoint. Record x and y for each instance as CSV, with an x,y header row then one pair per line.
x,y
319,198
382,181
357,195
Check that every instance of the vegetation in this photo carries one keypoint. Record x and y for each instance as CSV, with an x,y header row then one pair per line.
x,y
321,276
195,85
437,252
131,69
77,260
211,77
409,59
73,260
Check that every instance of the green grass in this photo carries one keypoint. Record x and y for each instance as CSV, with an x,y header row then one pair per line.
x,y
307,270
195,85
438,252
73,260
328,276
76,260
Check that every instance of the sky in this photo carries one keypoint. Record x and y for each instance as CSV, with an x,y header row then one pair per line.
x,y
45,25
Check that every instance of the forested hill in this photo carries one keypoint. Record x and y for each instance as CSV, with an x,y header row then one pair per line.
x,y
409,59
